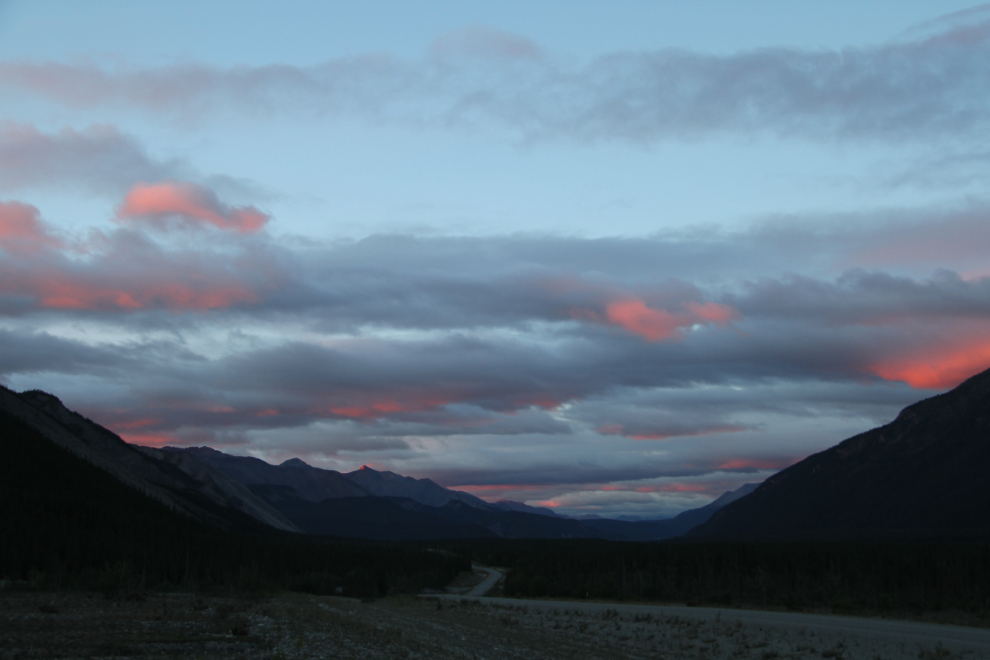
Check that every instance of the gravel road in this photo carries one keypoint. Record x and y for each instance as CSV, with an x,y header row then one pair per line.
x,y
494,575
876,632
288,626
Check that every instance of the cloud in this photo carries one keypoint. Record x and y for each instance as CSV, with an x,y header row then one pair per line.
x,y
122,271
97,159
31,352
21,230
58,292
939,364
485,42
660,324
869,298
495,317
665,432
907,90
191,204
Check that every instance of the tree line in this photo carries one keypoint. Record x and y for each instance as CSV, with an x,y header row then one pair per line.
x,y
840,576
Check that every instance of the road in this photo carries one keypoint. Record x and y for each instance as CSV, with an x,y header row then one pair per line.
x,y
486,585
951,637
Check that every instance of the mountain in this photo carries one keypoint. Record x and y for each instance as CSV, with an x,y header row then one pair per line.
x,y
393,518
655,530
379,518
71,524
509,505
310,483
213,502
515,524
63,516
923,475
685,521
222,489
245,493
424,491
325,502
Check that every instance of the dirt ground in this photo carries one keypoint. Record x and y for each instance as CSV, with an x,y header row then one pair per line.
x,y
73,625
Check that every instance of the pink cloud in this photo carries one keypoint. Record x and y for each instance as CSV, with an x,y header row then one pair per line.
x,y
119,272
712,312
192,203
938,366
21,230
376,406
63,291
660,324
753,463
136,424
148,440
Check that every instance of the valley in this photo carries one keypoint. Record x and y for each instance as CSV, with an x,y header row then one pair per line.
x,y
117,550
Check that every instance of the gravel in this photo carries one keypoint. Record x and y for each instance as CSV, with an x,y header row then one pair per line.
x,y
284,626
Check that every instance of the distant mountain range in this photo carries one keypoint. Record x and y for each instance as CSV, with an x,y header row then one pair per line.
x,y
236,492
368,503
922,476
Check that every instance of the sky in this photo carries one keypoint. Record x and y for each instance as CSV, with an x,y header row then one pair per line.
x,y
611,258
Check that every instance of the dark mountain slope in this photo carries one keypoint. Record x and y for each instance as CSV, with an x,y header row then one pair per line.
x,y
59,513
380,518
424,491
67,523
157,479
310,483
509,505
517,524
223,490
924,475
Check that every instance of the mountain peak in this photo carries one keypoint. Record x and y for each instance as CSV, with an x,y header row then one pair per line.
x,y
296,463
35,395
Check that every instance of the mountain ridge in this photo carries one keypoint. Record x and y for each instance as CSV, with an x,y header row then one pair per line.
x,y
159,480
923,475
228,492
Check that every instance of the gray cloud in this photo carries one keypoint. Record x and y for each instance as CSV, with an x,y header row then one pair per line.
x,y
867,297
26,353
903,90
97,159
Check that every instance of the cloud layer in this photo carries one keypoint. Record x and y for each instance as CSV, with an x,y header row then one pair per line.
x,y
396,346
922,89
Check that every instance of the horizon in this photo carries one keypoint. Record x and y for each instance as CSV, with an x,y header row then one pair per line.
x,y
605,259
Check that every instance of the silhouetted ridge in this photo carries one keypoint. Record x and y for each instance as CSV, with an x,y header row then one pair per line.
x,y
70,523
924,475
